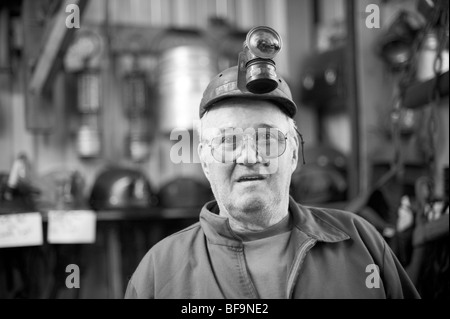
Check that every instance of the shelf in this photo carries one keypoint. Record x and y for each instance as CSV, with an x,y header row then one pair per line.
x,y
165,214
149,214
139,214
157,213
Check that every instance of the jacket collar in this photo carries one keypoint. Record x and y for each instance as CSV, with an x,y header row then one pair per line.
x,y
218,230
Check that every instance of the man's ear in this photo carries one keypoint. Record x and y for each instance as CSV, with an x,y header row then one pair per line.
x,y
295,146
203,160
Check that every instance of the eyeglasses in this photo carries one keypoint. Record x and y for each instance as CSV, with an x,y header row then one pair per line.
x,y
269,143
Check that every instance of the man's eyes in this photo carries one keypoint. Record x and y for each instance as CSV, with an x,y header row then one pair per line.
x,y
267,136
229,139
232,139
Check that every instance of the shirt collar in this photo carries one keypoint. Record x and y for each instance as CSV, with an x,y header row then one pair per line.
x,y
218,230
283,226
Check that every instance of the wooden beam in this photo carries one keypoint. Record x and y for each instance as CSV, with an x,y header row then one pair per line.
x,y
5,63
55,45
114,257
352,98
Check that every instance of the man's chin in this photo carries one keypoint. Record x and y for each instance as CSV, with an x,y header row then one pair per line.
x,y
250,202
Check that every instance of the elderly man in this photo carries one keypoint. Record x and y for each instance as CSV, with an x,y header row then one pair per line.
x,y
254,240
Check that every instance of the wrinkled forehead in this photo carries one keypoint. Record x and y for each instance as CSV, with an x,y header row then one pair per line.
x,y
243,114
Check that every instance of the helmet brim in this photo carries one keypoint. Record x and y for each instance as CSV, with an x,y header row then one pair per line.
x,y
224,86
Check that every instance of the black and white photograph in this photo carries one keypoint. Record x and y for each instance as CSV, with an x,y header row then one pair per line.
x,y
203,150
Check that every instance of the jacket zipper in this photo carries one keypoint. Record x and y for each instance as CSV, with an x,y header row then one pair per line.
x,y
250,286
307,245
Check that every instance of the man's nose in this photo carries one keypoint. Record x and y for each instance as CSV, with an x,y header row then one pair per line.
x,y
249,154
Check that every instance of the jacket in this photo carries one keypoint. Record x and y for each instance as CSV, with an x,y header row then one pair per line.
x,y
338,255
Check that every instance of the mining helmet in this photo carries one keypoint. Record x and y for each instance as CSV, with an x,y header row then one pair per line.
x,y
255,75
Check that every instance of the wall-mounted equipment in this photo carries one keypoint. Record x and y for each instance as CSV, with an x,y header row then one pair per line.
x,y
184,192
323,180
82,59
121,188
135,99
434,11
397,46
88,135
322,80
186,65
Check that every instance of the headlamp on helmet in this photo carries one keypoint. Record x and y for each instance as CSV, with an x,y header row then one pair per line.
x,y
257,71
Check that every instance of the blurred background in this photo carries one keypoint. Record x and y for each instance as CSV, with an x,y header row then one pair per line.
x,y
95,97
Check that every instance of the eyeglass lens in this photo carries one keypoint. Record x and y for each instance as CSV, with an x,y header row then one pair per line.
x,y
267,142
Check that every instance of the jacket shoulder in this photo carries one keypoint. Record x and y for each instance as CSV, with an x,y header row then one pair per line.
x,y
162,261
349,222
173,248
183,238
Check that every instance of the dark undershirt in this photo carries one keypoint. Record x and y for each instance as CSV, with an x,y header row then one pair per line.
x,y
268,254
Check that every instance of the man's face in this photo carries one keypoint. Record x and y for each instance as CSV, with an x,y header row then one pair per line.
x,y
251,183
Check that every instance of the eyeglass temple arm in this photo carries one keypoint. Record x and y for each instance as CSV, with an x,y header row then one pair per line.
x,y
303,143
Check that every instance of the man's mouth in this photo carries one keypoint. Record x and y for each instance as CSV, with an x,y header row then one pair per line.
x,y
251,178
